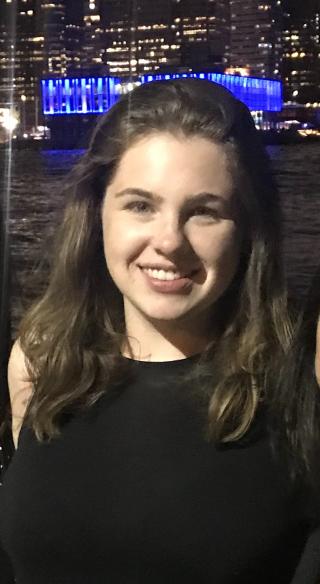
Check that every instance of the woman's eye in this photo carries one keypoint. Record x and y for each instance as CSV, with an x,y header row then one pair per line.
x,y
143,207
138,206
205,211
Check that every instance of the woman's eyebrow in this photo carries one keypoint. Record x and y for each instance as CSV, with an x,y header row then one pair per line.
x,y
203,197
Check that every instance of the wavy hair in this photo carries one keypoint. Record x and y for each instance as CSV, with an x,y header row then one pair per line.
x,y
295,404
73,334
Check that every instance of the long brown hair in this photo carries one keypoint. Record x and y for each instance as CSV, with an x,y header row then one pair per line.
x,y
294,407
72,336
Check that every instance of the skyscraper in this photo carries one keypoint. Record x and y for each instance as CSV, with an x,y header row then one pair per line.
x,y
93,37
204,33
21,49
51,18
7,51
301,57
165,35
139,36
73,36
255,36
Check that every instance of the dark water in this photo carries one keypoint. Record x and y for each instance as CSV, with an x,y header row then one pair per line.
x,y
36,204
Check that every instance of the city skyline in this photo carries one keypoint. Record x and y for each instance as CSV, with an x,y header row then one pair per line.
x,y
130,38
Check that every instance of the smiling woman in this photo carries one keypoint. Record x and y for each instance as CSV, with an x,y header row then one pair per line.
x,y
161,243
153,360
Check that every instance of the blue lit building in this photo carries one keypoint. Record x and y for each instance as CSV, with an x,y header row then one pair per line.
x,y
79,95
84,98
95,95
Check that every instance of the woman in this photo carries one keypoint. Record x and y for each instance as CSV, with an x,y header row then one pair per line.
x,y
152,358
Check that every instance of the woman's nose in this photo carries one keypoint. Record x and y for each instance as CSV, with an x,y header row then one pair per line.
x,y
168,236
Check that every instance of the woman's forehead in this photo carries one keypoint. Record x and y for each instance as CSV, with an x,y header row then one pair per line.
x,y
164,160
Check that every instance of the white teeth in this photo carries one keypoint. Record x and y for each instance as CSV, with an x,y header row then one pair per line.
x,y
162,274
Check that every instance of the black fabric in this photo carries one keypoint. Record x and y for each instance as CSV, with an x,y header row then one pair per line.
x,y
308,569
6,574
132,493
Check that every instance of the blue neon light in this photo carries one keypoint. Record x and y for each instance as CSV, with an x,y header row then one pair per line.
x,y
257,93
67,93
85,95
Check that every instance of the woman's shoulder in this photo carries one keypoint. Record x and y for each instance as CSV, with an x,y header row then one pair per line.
x,y
20,387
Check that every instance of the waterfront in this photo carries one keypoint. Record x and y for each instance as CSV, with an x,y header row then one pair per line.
x,y
36,204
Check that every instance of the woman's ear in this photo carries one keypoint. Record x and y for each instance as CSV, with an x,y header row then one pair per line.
x,y
317,358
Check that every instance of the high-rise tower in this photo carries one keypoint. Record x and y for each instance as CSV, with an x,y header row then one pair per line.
x,y
301,57
21,48
138,36
165,35
7,51
93,37
255,36
74,36
203,33
51,17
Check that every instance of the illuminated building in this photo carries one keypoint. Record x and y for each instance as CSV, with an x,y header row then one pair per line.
x,y
37,38
52,23
21,47
203,29
73,36
93,37
78,95
140,36
71,105
96,94
143,36
255,36
301,58
7,52
74,103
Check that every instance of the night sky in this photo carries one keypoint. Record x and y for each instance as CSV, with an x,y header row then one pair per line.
x,y
296,8
301,7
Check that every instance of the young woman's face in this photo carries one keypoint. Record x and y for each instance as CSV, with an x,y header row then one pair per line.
x,y
170,206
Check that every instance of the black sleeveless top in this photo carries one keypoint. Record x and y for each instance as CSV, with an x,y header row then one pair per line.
x,y
132,493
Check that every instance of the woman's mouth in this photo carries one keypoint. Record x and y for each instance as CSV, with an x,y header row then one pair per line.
x,y
167,280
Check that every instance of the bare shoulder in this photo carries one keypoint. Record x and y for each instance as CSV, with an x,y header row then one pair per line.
x,y
20,388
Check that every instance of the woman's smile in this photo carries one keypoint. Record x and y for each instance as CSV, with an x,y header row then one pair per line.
x,y
167,282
